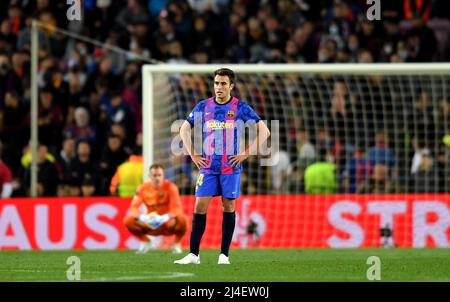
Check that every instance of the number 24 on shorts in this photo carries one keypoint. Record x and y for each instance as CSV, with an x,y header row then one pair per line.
x,y
199,181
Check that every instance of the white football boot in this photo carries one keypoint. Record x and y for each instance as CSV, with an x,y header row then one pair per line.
x,y
188,259
176,248
144,247
223,259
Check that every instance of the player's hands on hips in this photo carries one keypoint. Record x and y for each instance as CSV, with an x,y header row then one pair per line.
x,y
199,161
235,160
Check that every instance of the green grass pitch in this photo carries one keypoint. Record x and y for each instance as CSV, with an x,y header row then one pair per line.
x,y
247,265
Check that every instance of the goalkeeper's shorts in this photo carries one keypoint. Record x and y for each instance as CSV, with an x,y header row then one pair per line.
x,y
225,185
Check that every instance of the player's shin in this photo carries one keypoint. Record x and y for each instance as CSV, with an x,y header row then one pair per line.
x,y
198,228
228,223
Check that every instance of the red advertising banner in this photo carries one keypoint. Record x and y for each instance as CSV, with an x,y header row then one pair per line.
x,y
266,221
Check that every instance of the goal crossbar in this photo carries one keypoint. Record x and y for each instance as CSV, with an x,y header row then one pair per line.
x,y
351,68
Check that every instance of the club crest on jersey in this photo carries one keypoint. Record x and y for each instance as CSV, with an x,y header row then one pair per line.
x,y
160,194
230,113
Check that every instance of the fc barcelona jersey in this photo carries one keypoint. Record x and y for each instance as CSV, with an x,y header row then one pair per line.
x,y
221,127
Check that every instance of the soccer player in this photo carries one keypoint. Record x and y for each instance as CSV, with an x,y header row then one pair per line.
x,y
220,161
161,196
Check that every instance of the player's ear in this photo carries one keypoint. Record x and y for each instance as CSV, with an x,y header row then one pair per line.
x,y
231,86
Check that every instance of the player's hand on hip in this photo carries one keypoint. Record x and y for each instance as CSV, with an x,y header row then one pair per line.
x,y
200,161
237,159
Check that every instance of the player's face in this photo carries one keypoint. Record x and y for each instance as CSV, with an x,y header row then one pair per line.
x,y
222,87
156,177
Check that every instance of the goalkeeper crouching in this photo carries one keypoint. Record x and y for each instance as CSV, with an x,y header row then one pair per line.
x,y
164,215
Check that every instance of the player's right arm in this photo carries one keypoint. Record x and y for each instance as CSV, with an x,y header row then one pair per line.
x,y
185,134
136,203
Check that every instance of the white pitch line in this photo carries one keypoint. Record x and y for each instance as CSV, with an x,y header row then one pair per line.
x,y
151,275
128,278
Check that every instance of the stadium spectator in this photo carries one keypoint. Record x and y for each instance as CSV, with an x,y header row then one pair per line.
x,y
119,130
47,174
113,155
103,73
425,179
81,129
14,129
131,15
120,113
65,158
73,186
357,170
381,153
279,169
50,120
306,152
83,164
6,178
341,121
421,118
421,41
131,96
128,176
320,177
421,150
379,182
417,8
9,80
63,189
88,187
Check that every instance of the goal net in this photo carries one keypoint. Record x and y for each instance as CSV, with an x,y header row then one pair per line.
x,y
361,157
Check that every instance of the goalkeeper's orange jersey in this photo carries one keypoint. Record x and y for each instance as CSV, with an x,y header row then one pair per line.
x,y
164,200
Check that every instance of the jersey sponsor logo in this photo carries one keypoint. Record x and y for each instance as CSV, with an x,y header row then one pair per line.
x,y
216,125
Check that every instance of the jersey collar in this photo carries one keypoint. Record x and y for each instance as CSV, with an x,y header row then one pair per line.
x,y
214,98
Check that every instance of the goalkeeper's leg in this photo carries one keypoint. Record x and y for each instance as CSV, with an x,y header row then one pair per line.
x,y
176,226
136,228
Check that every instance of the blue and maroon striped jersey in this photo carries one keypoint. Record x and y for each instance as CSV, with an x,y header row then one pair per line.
x,y
221,130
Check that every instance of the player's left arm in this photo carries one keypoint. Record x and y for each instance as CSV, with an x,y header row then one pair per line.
x,y
254,146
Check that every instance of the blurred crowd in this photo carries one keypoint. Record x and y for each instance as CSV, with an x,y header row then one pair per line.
x,y
90,104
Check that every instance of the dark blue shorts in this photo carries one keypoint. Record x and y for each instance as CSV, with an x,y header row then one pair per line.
x,y
225,185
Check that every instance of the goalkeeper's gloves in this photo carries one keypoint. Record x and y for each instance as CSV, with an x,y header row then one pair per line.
x,y
154,220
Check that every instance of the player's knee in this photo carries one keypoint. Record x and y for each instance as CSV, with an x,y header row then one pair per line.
x,y
129,221
181,223
201,208
228,205
228,208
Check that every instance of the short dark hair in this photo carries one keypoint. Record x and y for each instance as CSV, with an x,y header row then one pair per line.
x,y
225,72
157,166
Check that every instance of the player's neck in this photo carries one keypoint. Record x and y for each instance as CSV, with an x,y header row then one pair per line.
x,y
223,101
